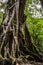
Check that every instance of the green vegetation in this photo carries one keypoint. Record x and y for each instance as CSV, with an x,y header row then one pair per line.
x,y
35,27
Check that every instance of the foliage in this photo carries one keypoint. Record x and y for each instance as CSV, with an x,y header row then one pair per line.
x,y
35,27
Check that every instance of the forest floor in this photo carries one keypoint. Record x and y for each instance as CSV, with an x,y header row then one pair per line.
x,y
18,62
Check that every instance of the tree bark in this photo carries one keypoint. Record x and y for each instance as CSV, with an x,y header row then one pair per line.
x,y
22,44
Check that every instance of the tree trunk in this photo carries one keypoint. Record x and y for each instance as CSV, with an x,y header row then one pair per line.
x,y
16,42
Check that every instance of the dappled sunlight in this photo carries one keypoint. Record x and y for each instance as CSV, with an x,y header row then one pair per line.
x,y
35,9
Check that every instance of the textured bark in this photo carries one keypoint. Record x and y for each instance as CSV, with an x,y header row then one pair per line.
x,y
21,45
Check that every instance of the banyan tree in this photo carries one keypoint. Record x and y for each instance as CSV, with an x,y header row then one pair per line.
x,y
15,39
